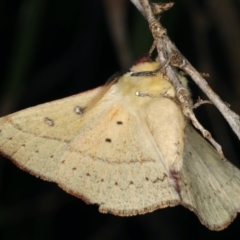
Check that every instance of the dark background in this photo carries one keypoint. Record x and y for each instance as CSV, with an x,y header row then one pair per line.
x,y
51,49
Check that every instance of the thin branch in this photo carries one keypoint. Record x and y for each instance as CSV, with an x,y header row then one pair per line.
x,y
231,117
200,102
168,53
138,5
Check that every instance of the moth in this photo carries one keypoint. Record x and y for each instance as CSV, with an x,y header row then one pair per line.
x,y
126,147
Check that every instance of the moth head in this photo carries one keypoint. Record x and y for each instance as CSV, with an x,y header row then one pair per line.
x,y
145,79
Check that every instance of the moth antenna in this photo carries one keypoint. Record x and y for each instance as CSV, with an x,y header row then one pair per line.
x,y
144,73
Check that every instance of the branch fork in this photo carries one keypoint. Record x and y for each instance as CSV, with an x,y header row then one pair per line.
x,y
169,56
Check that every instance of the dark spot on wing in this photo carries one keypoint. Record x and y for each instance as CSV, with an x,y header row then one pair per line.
x,y
63,161
116,183
119,122
108,140
78,110
36,151
147,178
156,180
88,174
176,143
74,168
49,121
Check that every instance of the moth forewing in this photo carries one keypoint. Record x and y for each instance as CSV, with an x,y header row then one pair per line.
x,y
34,145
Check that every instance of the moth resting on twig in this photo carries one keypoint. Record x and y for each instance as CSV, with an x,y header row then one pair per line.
x,y
131,152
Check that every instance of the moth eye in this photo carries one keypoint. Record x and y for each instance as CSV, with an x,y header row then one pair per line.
x,y
78,110
49,121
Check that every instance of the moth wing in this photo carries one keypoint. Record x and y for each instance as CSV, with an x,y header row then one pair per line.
x,y
209,186
105,156
115,163
33,142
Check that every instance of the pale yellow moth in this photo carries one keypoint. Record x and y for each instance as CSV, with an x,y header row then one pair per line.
x,y
130,150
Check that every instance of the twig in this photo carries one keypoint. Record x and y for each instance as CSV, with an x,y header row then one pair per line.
x,y
167,50
200,102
